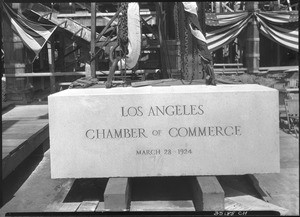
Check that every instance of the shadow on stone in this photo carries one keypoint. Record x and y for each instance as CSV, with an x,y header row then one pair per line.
x,y
46,116
87,189
12,183
160,188
6,124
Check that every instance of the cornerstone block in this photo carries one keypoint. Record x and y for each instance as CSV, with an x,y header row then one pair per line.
x,y
164,131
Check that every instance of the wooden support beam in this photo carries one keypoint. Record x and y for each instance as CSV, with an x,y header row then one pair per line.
x,y
93,37
108,24
63,22
87,206
117,194
259,188
208,194
79,73
45,15
252,41
22,148
149,27
224,4
70,25
50,47
75,33
163,55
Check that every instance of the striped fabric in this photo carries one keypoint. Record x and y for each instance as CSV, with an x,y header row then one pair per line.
x,y
279,16
191,14
34,35
218,36
280,26
224,19
281,29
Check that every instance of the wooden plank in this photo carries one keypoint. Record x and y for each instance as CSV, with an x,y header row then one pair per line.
x,y
79,73
58,201
208,194
9,150
117,194
28,130
27,112
259,188
15,135
100,207
69,207
22,129
169,205
250,203
279,68
93,40
6,105
10,162
25,122
227,64
27,133
88,206
51,64
71,25
12,142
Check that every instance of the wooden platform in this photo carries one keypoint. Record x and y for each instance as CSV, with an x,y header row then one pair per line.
x,y
24,128
40,193
139,194
283,189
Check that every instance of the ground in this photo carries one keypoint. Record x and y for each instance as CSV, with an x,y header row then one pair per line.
x,y
265,80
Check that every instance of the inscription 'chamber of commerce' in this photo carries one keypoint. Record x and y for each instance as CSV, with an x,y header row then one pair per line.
x,y
172,132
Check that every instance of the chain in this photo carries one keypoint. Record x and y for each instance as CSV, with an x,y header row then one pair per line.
x,y
123,36
176,21
194,53
178,38
186,49
123,28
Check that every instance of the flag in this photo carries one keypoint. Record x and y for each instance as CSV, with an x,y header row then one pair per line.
x,y
190,9
224,28
34,35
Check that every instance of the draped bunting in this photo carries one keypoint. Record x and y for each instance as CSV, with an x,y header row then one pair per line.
x,y
279,16
282,29
280,26
222,28
223,19
225,28
34,35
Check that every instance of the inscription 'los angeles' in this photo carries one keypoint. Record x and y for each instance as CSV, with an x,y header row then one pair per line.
x,y
169,110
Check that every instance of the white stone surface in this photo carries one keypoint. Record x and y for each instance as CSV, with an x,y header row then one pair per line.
x,y
241,136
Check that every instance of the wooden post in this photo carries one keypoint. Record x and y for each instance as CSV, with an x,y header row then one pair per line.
x,y
61,53
93,37
278,57
51,65
218,7
208,194
117,194
252,41
159,11
15,62
2,72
